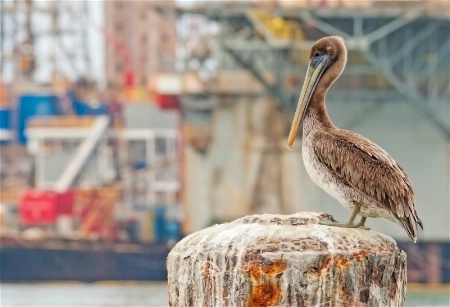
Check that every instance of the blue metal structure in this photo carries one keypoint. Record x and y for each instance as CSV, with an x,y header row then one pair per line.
x,y
33,105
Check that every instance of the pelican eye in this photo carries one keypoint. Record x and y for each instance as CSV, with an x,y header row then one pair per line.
x,y
316,58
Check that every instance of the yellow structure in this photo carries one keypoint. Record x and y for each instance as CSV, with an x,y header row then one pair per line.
x,y
280,28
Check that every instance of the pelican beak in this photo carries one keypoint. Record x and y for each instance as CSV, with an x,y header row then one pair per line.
x,y
316,67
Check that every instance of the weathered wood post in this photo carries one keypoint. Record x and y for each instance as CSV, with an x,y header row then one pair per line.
x,y
286,260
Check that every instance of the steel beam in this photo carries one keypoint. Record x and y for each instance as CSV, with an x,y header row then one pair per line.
x,y
413,43
310,19
418,101
391,27
392,54
272,88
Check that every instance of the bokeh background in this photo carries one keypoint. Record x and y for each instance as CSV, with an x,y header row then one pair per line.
x,y
126,125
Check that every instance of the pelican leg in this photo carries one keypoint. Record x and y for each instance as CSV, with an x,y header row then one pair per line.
x,y
349,223
361,223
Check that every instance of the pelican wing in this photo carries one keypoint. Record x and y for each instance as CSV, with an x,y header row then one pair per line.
x,y
370,170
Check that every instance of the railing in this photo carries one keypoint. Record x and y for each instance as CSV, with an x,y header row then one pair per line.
x,y
156,182
84,152
161,156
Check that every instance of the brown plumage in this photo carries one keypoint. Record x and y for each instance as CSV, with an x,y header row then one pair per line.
x,y
352,169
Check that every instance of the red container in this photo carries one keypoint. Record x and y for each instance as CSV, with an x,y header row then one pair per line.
x,y
165,101
65,202
39,207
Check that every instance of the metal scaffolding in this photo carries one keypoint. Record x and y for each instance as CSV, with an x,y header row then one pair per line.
x,y
41,40
397,53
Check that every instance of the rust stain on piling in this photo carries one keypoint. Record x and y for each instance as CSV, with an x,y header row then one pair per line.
x,y
265,289
255,270
275,268
267,294
208,277
341,262
360,255
324,264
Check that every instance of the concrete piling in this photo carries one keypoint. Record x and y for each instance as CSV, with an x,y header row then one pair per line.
x,y
286,260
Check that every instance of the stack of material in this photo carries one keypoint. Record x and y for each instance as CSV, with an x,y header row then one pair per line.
x,y
15,173
97,207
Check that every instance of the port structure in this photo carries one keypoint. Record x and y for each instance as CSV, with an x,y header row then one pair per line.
x,y
91,161
398,52
245,87
27,26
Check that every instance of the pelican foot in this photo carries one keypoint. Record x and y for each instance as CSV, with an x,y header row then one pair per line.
x,y
337,224
362,222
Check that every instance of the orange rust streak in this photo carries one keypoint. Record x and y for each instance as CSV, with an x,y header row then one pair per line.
x,y
265,289
342,262
208,279
275,268
268,294
360,255
324,264
255,270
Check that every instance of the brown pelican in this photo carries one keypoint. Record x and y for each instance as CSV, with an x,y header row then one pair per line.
x,y
355,171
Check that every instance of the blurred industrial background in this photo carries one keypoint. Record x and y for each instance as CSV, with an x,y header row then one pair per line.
x,y
125,125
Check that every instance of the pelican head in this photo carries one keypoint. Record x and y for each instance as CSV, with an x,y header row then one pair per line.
x,y
326,62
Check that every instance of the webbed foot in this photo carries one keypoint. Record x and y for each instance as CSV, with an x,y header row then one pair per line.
x,y
337,224
349,223
361,223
